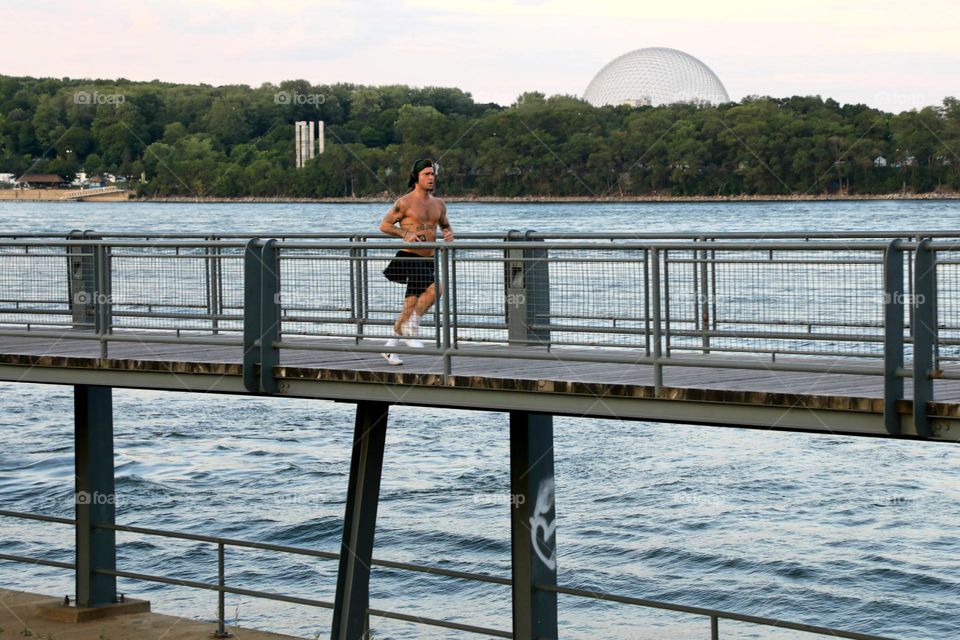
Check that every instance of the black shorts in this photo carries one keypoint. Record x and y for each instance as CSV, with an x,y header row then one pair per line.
x,y
413,270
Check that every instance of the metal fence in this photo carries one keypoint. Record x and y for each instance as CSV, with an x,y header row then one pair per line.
x,y
792,302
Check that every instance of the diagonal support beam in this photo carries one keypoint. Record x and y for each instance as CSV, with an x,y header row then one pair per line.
x,y
359,523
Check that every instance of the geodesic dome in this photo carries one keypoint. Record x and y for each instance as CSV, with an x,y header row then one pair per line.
x,y
655,76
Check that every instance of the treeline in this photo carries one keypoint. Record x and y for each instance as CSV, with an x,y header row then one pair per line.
x,y
235,141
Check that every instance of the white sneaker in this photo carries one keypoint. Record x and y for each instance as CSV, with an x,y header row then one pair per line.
x,y
391,358
413,343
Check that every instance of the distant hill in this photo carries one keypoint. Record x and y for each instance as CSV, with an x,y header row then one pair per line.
x,y
238,141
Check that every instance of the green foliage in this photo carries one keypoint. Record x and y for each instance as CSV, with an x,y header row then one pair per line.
x,y
236,141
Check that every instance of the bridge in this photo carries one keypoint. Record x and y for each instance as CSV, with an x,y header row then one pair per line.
x,y
82,194
842,333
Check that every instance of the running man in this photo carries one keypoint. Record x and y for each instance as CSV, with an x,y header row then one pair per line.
x,y
415,218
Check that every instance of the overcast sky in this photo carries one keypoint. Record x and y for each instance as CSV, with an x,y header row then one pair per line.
x,y
893,55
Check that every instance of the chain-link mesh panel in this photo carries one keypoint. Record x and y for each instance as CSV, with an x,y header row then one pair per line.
x,y
597,297
948,305
480,300
34,287
318,292
776,301
191,290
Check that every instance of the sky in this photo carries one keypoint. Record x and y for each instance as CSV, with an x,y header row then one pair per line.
x,y
892,55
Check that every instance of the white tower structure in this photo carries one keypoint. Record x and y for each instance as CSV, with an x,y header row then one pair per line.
x,y
307,139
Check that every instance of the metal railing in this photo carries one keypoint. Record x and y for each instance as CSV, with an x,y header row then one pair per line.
x,y
792,302
713,615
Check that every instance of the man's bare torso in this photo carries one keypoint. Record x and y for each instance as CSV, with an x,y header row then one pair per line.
x,y
419,217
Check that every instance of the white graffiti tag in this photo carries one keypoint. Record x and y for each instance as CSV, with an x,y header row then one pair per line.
x,y
539,522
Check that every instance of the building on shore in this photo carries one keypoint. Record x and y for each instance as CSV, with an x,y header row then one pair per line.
x,y
41,181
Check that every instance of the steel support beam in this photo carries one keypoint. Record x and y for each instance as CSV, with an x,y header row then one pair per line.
x,y
924,335
894,297
261,315
94,495
533,525
359,523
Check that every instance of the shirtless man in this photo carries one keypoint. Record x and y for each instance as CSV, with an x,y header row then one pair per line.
x,y
415,218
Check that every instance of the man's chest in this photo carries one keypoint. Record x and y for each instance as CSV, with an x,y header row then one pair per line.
x,y
419,216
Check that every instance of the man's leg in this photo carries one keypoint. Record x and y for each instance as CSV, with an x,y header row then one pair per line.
x,y
426,300
409,304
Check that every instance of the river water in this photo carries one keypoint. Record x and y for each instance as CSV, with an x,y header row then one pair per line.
x,y
846,532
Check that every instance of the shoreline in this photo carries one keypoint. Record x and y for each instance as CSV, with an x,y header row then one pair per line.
x,y
385,198
569,199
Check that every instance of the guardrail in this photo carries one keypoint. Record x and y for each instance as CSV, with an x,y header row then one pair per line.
x,y
713,615
853,306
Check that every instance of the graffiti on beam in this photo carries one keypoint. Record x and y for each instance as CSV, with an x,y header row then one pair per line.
x,y
543,526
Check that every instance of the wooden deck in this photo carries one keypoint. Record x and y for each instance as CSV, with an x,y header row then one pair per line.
x,y
754,398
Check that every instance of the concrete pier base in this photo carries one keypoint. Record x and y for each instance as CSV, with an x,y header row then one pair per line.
x,y
20,617
57,611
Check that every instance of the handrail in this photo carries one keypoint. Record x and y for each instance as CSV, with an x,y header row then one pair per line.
x,y
714,614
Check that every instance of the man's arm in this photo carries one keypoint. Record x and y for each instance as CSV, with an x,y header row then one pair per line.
x,y
390,222
445,223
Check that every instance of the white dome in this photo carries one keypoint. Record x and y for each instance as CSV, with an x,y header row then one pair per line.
x,y
655,76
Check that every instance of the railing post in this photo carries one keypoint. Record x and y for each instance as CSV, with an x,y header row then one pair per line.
x,y
221,631
94,497
704,298
211,278
447,291
646,302
357,273
103,303
261,315
657,338
441,292
359,523
666,301
893,297
533,525
924,334
527,293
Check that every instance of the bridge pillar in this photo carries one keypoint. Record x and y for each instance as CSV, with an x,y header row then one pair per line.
x,y
533,526
95,495
359,522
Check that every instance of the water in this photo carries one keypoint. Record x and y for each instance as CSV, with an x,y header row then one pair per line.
x,y
845,532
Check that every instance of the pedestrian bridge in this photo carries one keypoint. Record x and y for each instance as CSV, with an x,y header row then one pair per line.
x,y
857,335
831,333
